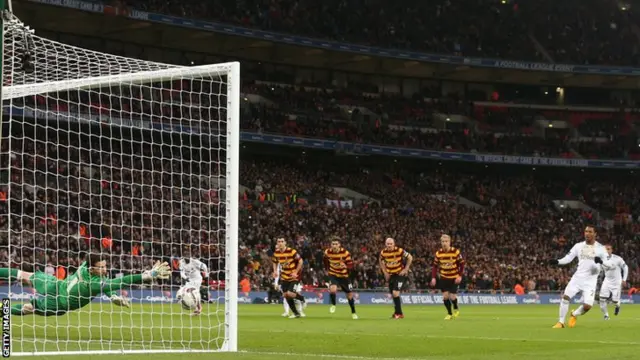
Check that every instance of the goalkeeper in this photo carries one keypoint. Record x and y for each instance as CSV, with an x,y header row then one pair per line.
x,y
57,297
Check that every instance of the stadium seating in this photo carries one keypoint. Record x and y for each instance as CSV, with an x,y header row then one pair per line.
x,y
573,32
506,240
321,111
507,234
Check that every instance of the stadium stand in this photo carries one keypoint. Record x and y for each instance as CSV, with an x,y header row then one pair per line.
x,y
506,237
507,224
573,32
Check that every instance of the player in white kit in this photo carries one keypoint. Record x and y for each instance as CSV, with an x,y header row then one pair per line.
x,y
590,255
191,271
615,277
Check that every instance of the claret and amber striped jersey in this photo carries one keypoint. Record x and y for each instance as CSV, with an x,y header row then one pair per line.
x,y
394,260
448,264
338,262
288,260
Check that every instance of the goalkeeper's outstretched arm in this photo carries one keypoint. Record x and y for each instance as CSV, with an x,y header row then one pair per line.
x,y
158,271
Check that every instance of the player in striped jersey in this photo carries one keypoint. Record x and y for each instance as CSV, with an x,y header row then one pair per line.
x,y
291,268
297,289
338,262
448,265
395,263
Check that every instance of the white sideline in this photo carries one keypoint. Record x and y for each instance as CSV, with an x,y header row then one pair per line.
x,y
487,338
331,356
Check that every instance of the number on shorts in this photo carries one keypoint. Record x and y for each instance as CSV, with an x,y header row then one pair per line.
x,y
350,286
399,285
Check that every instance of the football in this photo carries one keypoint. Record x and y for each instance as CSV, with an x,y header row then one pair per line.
x,y
188,297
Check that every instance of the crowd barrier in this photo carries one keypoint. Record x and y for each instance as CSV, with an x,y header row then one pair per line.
x,y
18,293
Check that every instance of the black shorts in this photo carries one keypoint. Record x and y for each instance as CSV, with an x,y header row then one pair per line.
x,y
397,282
342,283
288,286
448,285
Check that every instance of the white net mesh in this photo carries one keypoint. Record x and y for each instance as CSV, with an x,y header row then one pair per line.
x,y
127,160
52,62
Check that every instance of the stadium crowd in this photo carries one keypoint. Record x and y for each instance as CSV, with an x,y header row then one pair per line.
x,y
140,197
421,122
571,32
139,201
505,242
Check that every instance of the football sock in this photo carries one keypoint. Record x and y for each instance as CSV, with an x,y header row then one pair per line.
x,y
455,303
9,274
398,305
352,304
579,311
447,304
300,298
564,309
333,299
292,306
603,307
285,304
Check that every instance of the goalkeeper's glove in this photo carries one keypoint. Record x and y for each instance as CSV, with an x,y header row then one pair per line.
x,y
120,301
158,271
554,262
598,260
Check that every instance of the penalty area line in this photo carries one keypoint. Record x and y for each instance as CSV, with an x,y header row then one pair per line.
x,y
331,356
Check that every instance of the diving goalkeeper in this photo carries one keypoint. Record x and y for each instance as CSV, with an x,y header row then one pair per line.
x,y
57,297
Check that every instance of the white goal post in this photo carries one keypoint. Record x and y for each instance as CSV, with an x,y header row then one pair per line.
x,y
128,161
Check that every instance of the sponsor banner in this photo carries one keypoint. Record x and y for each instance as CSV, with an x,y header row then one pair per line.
x,y
90,6
19,293
357,49
326,144
138,15
435,155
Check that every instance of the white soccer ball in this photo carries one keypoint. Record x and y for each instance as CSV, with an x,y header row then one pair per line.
x,y
188,297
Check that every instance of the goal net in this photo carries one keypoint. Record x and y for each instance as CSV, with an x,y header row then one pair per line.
x,y
116,159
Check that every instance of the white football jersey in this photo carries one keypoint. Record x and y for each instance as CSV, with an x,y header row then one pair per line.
x,y
616,270
587,268
192,272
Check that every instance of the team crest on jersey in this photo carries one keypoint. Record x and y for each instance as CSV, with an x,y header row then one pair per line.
x,y
588,253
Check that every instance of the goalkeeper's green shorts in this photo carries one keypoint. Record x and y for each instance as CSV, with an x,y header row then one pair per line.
x,y
47,301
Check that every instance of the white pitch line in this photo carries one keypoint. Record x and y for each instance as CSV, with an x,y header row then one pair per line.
x,y
333,356
483,316
487,338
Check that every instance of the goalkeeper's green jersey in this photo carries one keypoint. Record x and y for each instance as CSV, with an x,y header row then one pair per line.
x,y
80,288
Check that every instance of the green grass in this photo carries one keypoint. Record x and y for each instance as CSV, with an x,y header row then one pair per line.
x,y
482,332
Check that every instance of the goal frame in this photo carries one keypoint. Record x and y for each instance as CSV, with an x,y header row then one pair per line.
x,y
232,72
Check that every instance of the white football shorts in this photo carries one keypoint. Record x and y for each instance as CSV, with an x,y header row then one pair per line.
x,y
610,289
586,287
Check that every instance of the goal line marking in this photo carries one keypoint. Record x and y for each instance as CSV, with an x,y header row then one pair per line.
x,y
333,356
462,337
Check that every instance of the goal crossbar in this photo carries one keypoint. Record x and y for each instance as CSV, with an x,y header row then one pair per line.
x,y
18,91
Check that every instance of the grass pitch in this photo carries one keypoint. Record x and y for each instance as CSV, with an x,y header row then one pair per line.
x,y
482,332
